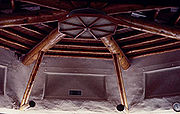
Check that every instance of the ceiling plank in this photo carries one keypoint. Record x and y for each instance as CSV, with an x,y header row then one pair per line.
x,y
48,42
30,18
148,26
113,47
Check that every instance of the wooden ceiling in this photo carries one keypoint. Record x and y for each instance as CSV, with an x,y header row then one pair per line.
x,y
152,26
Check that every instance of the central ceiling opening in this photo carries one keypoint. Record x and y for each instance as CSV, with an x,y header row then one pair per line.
x,y
87,23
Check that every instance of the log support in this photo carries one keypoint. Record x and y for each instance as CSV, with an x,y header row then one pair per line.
x,y
44,45
120,81
148,26
113,47
31,80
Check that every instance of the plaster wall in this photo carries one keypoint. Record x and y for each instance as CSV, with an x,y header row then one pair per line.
x,y
18,75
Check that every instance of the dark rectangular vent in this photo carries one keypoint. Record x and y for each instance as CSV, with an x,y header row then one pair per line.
x,y
162,82
74,92
75,86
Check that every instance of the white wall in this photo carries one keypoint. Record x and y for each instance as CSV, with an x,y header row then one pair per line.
x,y
18,75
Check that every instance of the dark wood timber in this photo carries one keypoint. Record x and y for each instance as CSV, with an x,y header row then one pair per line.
x,y
31,79
149,26
128,8
79,52
113,47
31,18
57,46
154,48
77,55
156,53
44,45
148,42
133,37
15,36
120,81
53,4
13,43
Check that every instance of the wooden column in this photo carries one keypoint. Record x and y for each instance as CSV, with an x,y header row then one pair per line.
x,y
31,80
120,81
113,47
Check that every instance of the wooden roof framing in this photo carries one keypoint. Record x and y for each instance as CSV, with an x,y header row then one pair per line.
x,y
150,33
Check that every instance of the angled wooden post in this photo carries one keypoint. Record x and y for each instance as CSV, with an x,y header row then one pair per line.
x,y
31,80
113,47
120,81
48,42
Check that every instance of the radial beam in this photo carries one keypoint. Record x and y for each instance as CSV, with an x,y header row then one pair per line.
x,y
113,47
118,8
53,4
120,81
48,42
31,80
148,26
30,18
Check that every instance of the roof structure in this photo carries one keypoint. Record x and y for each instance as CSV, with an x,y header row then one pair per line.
x,y
145,27
114,29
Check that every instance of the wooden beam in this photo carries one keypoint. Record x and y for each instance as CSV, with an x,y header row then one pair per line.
x,y
53,4
155,53
148,26
10,34
120,81
75,55
79,52
80,47
128,8
153,48
44,45
134,37
145,43
13,43
11,48
114,48
32,30
31,80
30,18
